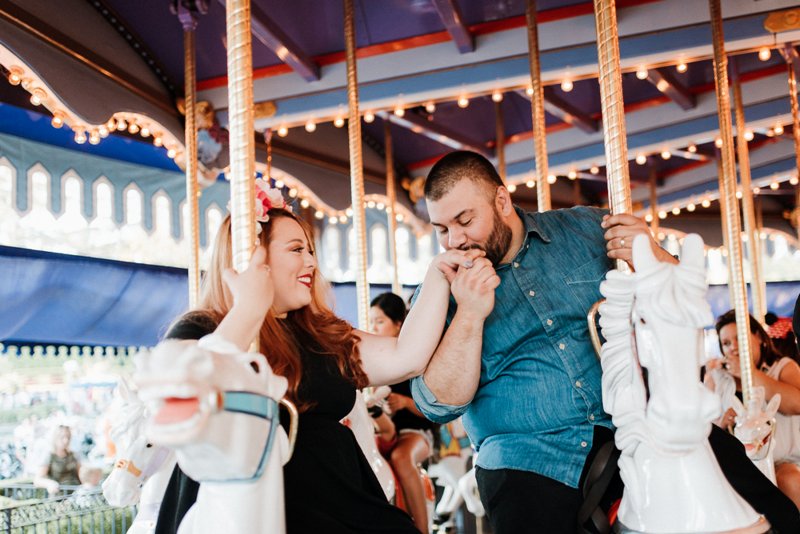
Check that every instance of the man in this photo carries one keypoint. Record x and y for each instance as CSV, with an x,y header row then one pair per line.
x,y
525,376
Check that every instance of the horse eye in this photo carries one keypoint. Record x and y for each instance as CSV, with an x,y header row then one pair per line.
x,y
149,445
641,320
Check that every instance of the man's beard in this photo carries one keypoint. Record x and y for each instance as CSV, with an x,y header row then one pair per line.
x,y
497,243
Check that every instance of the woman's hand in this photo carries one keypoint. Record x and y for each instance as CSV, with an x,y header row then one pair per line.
x,y
397,402
450,261
252,290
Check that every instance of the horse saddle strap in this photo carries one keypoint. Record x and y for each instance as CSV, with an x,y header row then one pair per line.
x,y
601,471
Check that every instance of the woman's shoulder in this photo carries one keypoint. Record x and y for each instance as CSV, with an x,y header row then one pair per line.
x,y
192,325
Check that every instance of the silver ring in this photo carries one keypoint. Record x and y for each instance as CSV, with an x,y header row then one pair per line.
x,y
621,241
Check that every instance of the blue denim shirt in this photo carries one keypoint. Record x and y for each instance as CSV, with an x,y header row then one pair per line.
x,y
539,395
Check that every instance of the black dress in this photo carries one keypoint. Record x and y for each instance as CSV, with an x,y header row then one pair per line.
x,y
329,485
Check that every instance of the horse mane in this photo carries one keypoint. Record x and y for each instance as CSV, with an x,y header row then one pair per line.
x,y
673,293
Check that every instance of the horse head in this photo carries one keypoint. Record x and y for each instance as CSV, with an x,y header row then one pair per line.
x,y
214,405
755,423
669,314
137,457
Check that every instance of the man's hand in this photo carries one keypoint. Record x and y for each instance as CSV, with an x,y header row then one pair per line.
x,y
448,262
620,231
473,288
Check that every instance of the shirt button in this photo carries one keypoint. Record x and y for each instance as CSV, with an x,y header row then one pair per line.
x,y
578,383
516,264
584,444
591,417
532,293
561,346
549,322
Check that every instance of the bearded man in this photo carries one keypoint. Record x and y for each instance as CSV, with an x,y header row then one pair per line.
x,y
525,377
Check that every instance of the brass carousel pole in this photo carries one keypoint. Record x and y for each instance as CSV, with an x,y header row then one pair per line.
x,y
500,143
652,180
537,110
392,195
189,23
757,289
268,141
619,187
728,203
356,167
795,128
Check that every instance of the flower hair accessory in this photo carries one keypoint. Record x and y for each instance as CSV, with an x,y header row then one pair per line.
x,y
268,198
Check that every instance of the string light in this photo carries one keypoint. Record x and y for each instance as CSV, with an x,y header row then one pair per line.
x,y
691,207
293,192
305,203
676,210
430,107
133,128
641,73
641,159
399,217
122,125
779,129
511,188
497,96
94,138
349,212
279,184
371,204
57,121
764,53
567,85
662,214
774,186
770,132
692,148
80,137
157,141
529,184
310,126
551,179
338,122
594,169
756,190
15,75
648,217
319,214
705,203
572,174
380,205
529,91
748,135
283,131
666,154
333,219
37,96
171,153
343,219
111,124
103,131
145,131
681,67
739,195
463,102
793,180
718,142
399,111
369,117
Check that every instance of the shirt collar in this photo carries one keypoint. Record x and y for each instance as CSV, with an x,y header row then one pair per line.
x,y
531,226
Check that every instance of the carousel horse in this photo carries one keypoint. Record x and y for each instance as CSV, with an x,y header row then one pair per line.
x,y
141,470
653,320
217,408
363,427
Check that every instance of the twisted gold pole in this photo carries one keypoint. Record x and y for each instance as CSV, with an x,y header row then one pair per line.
x,y
190,132
537,110
268,141
758,290
392,195
500,144
728,201
356,167
242,143
619,187
653,200
795,133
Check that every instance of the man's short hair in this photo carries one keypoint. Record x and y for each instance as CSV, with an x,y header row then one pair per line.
x,y
456,166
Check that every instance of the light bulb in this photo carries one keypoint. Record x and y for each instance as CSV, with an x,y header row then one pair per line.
x,y
511,188
318,214
641,159
279,184
756,190
572,174
305,203
310,126
399,111
748,135
793,180
338,122
369,117
551,179
648,217
594,169
293,192
38,96
145,131
665,154
497,96
15,75
171,153
283,131
103,131
567,85
133,128
718,142
343,219
94,138
676,210
690,207
463,102
380,205
349,212
371,204
764,53
121,125
57,121
399,217
333,219
692,148
530,183
779,129
774,186
430,107
739,195
111,124
705,203
80,137
641,73
662,214
681,67
157,141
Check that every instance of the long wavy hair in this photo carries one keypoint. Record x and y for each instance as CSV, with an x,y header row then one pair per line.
x,y
314,324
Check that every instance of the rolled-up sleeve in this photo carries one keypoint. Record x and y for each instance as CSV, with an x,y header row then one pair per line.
x,y
430,407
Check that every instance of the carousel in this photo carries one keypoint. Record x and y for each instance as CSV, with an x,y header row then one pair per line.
x,y
130,130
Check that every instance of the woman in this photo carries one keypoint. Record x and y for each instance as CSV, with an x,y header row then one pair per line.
x,y
776,374
62,466
414,441
329,486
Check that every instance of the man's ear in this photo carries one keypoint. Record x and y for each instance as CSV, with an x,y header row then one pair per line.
x,y
502,201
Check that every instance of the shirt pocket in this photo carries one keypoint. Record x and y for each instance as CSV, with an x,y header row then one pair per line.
x,y
584,281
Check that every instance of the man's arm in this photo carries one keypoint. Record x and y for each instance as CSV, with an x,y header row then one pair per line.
x,y
452,376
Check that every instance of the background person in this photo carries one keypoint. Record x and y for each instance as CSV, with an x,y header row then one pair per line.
x,y
62,465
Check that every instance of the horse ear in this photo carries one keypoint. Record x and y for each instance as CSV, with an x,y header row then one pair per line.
x,y
124,389
643,257
692,251
774,403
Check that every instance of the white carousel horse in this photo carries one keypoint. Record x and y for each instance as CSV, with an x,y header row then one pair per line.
x,y
141,470
363,427
672,480
217,408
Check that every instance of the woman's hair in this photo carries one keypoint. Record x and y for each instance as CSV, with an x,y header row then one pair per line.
x,y
279,338
768,353
392,305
